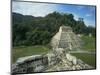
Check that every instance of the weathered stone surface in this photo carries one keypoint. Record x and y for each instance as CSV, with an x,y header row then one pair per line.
x,y
35,63
39,68
66,39
28,58
51,59
71,58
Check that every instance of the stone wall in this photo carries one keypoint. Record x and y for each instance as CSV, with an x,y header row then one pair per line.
x,y
35,63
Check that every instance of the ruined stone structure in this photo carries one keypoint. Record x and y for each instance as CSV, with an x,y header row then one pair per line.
x,y
56,60
66,39
28,64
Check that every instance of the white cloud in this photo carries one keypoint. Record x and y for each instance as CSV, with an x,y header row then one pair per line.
x,y
88,15
89,23
35,9
76,17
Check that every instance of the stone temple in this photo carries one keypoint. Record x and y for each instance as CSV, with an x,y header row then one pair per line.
x,y
58,59
66,39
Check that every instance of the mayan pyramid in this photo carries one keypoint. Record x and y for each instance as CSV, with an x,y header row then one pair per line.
x,y
66,39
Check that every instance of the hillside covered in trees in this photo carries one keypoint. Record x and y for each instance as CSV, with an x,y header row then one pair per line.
x,y
30,30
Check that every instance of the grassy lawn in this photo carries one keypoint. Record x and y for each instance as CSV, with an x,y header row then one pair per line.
x,y
87,58
27,51
88,43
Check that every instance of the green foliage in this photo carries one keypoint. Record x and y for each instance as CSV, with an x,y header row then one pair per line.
x,y
37,37
29,30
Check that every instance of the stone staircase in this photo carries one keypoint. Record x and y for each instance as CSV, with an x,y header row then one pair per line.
x,y
66,39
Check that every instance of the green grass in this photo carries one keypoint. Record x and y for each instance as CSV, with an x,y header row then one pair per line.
x,y
27,51
87,58
88,43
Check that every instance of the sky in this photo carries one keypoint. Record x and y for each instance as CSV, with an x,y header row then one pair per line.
x,y
42,9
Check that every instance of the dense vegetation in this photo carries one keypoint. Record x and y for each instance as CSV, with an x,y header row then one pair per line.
x,y
30,30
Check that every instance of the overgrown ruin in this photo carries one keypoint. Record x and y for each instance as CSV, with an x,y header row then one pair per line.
x,y
65,39
58,59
